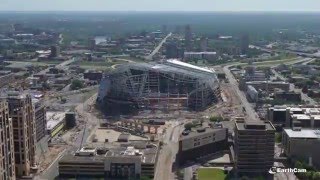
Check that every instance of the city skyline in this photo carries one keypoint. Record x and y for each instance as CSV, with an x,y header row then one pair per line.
x,y
165,5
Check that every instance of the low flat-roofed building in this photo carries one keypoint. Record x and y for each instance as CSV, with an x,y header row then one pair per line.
x,y
269,85
305,117
200,55
201,142
302,144
288,96
125,161
55,122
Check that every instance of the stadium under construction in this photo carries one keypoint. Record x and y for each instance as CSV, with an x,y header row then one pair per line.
x,y
170,85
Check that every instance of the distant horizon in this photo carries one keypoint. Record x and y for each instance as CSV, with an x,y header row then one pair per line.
x,y
163,5
167,11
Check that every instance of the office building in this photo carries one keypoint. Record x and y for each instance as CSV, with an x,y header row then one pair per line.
x,y
188,38
40,119
7,164
201,142
210,56
24,133
301,116
164,29
172,50
303,144
244,44
126,162
55,51
92,44
204,44
253,147
268,86
288,96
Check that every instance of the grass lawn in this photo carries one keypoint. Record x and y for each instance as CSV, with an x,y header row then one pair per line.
x,y
210,174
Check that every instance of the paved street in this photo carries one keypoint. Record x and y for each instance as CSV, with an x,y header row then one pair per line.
x,y
251,114
304,97
156,50
168,152
91,122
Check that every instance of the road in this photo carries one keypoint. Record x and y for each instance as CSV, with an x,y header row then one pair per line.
x,y
250,112
168,152
90,123
62,65
304,97
286,51
156,50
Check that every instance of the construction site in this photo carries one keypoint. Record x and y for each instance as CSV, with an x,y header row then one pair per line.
x,y
170,85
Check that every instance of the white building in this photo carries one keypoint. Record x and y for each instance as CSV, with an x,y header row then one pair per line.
x,y
200,55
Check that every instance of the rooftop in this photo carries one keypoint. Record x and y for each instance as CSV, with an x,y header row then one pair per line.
x,y
125,151
54,118
303,133
187,65
170,66
194,133
256,125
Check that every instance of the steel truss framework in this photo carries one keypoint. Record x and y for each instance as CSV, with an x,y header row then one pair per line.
x,y
158,86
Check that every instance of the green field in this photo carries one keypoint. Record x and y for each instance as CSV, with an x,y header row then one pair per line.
x,y
210,174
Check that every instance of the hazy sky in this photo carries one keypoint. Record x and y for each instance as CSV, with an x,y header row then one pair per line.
x,y
160,5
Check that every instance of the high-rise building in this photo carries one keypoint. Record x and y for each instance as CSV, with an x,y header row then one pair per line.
x,y
7,164
92,43
40,119
55,51
204,44
254,147
244,44
24,134
171,50
188,38
164,29
18,27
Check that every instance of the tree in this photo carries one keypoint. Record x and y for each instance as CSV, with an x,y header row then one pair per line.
x,y
309,174
188,126
244,178
298,165
76,84
145,178
216,118
45,86
278,137
316,176
63,100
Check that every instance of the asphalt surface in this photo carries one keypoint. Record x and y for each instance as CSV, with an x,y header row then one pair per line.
x,y
91,122
304,97
250,112
156,50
